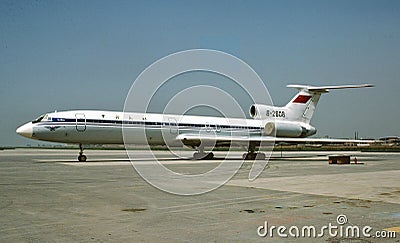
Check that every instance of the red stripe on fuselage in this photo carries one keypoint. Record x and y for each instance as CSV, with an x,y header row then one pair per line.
x,y
302,99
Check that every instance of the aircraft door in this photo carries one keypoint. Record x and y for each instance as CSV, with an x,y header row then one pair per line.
x,y
173,126
217,128
80,122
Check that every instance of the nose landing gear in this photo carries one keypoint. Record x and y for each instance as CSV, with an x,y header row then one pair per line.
x,y
81,157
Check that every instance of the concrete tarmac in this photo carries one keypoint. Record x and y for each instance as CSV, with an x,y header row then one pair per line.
x,y
45,195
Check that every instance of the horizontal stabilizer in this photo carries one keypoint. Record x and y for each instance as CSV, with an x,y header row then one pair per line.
x,y
325,89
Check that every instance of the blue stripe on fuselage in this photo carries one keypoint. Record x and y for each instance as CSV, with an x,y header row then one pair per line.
x,y
67,121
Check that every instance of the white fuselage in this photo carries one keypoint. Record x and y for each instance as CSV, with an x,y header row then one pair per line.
x,y
106,127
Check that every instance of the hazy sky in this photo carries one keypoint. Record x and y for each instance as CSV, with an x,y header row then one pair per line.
x,y
61,55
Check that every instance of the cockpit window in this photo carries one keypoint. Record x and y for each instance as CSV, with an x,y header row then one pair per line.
x,y
39,119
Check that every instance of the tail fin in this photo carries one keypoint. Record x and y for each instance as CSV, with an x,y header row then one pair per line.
x,y
302,106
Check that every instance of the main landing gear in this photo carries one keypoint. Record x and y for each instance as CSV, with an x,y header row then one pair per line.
x,y
251,155
81,157
201,155
205,156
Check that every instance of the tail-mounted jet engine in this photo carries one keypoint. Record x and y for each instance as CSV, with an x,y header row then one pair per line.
x,y
288,129
277,126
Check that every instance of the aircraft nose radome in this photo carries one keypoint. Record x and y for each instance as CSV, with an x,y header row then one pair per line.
x,y
25,130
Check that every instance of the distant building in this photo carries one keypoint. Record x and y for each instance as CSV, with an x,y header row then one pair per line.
x,y
390,140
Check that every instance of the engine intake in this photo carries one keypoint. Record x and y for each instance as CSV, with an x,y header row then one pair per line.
x,y
259,111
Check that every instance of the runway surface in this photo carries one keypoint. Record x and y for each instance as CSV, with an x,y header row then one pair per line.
x,y
47,196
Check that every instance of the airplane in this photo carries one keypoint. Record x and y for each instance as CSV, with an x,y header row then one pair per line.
x,y
269,124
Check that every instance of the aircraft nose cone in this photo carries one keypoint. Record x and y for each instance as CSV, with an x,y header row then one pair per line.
x,y
25,130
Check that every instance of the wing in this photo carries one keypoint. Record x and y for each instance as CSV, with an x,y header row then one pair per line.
x,y
221,139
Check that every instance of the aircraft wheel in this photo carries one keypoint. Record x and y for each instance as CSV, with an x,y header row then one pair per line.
x,y
82,158
209,156
203,156
260,156
249,156
254,156
198,156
